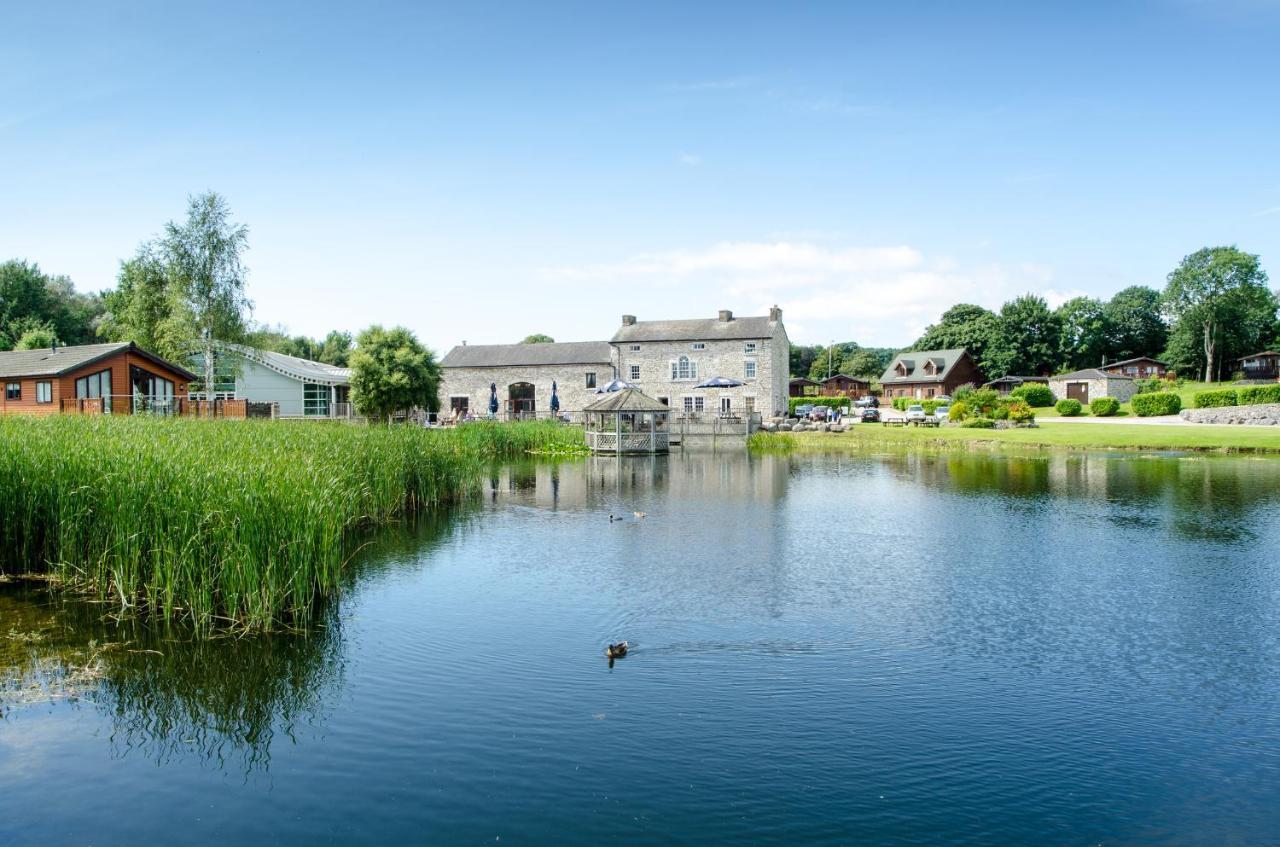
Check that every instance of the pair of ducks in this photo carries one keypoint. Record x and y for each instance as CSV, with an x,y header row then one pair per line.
x,y
638,515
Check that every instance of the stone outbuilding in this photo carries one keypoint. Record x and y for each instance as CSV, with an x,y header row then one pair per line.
x,y
524,374
1090,384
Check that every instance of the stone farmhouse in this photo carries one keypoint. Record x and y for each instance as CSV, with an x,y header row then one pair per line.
x,y
664,359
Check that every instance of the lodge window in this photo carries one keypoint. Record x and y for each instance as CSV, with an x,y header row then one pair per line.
x,y
591,379
751,369
44,392
315,400
95,385
635,373
683,368
13,391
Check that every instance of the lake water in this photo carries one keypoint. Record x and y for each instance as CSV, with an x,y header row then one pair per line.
x,y
910,649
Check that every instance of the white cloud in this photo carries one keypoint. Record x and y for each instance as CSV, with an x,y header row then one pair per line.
x,y
689,159
875,295
1264,212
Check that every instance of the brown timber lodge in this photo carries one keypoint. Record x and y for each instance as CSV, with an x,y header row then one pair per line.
x,y
91,378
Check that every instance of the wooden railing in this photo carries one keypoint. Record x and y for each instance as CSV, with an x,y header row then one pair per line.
x,y
628,442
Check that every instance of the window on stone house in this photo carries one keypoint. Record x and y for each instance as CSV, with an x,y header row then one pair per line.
x,y
750,369
749,347
699,345
591,379
635,373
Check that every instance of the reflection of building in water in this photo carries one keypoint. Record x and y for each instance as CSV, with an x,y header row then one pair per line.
x,y
598,481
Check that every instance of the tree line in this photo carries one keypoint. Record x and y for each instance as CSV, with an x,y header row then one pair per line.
x,y
1215,308
183,293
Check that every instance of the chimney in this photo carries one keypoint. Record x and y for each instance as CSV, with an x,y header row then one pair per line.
x,y
628,320
775,314
725,316
464,342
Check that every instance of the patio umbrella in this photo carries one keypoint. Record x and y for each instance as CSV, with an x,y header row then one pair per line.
x,y
610,387
555,401
720,382
493,398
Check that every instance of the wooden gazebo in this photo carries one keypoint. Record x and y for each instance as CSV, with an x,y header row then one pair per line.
x,y
627,421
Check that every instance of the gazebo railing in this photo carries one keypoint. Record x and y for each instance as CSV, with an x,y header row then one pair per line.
x,y
628,442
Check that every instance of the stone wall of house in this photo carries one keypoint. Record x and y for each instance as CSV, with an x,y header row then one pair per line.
x,y
766,392
1263,414
1118,388
571,385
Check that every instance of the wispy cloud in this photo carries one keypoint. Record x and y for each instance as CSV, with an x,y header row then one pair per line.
x,y
878,295
1264,212
689,159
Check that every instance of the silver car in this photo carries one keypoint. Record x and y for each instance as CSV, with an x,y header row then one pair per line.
x,y
915,412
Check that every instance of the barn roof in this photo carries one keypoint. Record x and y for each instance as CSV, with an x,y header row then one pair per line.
x,y
699,329
1090,373
509,355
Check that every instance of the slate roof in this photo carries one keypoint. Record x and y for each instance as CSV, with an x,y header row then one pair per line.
x,y
838,377
701,329
1259,355
945,360
626,400
303,370
1019,379
1091,373
1135,359
58,361
514,355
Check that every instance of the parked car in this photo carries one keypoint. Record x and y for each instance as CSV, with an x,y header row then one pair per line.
x,y
803,410
915,412
943,398
862,402
870,415
942,413
819,413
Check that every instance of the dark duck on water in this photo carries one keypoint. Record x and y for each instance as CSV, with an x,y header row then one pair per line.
x,y
616,651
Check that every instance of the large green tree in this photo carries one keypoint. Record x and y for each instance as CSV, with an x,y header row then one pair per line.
x,y
1086,333
391,371
1221,295
336,349
866,364
1028,341
538,338
802,358
145,308
963,325
204,259
32,300
1135,324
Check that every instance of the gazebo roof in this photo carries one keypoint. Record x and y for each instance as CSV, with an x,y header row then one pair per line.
x,y
627,400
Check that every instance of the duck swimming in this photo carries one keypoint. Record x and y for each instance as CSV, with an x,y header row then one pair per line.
x,y
638,515
616,651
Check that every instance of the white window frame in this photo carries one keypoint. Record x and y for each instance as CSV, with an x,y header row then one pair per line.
x,y
699,404
749,347
684,369
749,369
634,371
635,348
698,345
44,391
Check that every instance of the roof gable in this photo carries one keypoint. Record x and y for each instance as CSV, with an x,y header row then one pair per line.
x,y
56,361
934,365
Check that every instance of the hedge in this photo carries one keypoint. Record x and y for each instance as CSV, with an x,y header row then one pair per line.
x,y
1251,394
979,423
1160,403
1068,407
1037,396
1216,398
829,402
1104,407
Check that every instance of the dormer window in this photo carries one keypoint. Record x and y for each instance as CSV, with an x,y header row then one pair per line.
x,y
929,368
901,369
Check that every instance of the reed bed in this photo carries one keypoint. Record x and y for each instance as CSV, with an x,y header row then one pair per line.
x,y
244,523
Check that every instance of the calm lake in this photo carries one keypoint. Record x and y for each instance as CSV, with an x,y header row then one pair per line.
x,y
910,649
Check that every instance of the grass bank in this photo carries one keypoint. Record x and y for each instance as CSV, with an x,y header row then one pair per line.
x,y
1223,439
238,522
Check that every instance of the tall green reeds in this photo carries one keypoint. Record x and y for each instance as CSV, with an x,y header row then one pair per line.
x,y
240,522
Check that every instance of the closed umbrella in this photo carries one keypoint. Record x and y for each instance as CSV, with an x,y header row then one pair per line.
x,y
493,399
555,400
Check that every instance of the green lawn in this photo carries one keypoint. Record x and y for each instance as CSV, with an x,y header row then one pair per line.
x,y
1187,392
1066,435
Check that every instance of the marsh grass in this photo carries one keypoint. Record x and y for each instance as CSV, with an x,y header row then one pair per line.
x,y
244,523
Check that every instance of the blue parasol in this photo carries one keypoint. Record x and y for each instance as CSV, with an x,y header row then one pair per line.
x,y
493,398
555,400
719,382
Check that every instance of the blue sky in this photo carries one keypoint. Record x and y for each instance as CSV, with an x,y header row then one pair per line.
x,y
483,171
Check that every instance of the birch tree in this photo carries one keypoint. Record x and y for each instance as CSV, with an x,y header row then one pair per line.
x,y
1206,289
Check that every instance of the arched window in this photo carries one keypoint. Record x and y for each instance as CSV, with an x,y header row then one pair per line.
x,y
682,368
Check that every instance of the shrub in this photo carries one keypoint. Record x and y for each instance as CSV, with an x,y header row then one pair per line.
x,y
1216,398
984,400
1104,407
1068,407
979,423
930,406
963,393
1001,412
1036,395
1160,403
1019,411
1251,394
959,411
